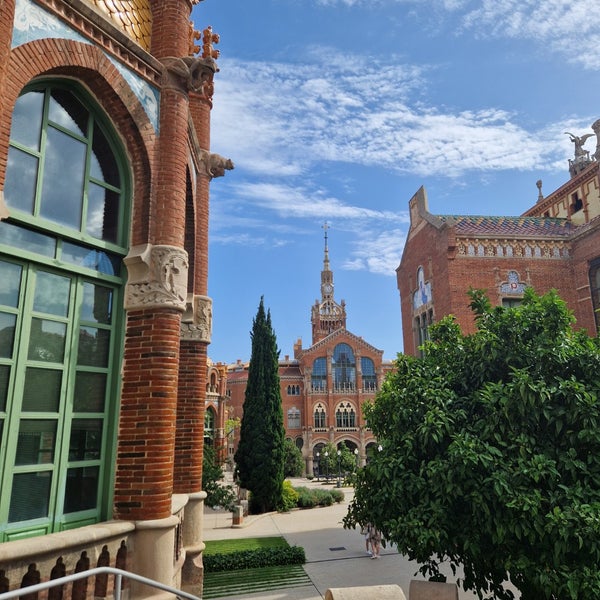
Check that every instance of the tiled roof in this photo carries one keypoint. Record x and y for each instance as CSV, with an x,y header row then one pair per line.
x,y
509,226
289,370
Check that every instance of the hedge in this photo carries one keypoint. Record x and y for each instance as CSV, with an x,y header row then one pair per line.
x,y
250,559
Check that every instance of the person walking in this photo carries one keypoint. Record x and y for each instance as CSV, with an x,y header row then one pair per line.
x,y
375,541
366,531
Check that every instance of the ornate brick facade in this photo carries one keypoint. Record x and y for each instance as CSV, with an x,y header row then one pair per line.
x,y
323,387
553,245
122,441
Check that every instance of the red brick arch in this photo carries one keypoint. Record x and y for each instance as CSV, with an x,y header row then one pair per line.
x,y
89,66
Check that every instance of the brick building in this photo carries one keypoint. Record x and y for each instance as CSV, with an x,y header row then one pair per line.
x,y
324,386
105,167
554,245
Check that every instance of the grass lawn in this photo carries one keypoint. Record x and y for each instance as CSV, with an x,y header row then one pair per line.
x,y
226,546
225,584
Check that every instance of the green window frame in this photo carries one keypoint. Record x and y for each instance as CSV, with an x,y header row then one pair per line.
x,y
61,318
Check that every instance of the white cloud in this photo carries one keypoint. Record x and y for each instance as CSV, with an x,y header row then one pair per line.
x,y
571,28
378,251
284,120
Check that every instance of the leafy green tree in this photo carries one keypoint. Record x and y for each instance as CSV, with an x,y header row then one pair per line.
x,y
332,463
259,456
217,494
294,463
491,453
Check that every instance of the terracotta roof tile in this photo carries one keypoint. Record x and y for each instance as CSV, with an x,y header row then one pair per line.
x,y
509,226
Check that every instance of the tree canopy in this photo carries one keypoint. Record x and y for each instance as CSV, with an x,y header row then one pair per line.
x,y
490,454
259,456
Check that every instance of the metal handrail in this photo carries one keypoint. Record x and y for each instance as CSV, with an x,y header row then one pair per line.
x,y
118,573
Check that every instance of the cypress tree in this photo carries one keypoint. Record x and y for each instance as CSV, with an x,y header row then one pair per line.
x,y
260,454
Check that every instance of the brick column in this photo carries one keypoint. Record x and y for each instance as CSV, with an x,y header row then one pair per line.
x,y
7,15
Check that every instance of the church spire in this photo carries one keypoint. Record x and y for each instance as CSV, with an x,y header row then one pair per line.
x,y
326,259
327,315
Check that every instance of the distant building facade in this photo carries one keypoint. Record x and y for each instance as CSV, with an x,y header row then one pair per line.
x,y
105,169
554,245
324,386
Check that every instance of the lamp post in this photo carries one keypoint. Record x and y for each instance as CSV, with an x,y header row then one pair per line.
x,y
326,454
339,453
318,466
357,458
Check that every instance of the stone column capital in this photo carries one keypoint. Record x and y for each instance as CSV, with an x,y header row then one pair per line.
x,y
196,323
157,277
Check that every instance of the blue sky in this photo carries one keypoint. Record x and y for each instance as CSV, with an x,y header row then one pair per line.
x,y
339,110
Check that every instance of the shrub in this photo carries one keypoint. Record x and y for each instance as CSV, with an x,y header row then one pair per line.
x,y
289,498
251,559
309,498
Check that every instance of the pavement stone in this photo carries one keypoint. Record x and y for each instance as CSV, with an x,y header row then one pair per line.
x,y
336,557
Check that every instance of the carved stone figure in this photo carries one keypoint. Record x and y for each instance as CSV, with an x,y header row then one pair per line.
x,y
579,142
193,73
217,165
157,277
197,321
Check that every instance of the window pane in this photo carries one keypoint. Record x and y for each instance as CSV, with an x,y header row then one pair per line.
x,y
10,276
67,111
101,261
103,164
103,213
93,347
62,189
4,376
7,334
30,496
81,491
27,119
16,236
47,340
97,303
35,445
42,390
51,294
86,439
90,392
21,180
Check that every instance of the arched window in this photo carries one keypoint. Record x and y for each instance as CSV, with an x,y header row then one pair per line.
x,y
293,418
209,426
369,377
60,268
595,289
320,417
343,368
319,374
345,416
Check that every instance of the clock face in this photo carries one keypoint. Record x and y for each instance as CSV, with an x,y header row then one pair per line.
x,y
328,288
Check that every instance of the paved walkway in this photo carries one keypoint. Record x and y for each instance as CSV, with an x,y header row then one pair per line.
x,y
335,556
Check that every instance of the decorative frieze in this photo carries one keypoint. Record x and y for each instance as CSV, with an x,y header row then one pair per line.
x,y
157,277
196,323
542,249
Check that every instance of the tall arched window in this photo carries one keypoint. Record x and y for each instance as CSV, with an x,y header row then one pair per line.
x,y
369,377
209,426
319,374
595,289
343,368
345,416
61,251
320,417
293,418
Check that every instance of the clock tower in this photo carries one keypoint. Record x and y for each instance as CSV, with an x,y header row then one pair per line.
x,y
327,315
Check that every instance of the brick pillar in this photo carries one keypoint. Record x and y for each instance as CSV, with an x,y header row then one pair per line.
x,y
7,15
